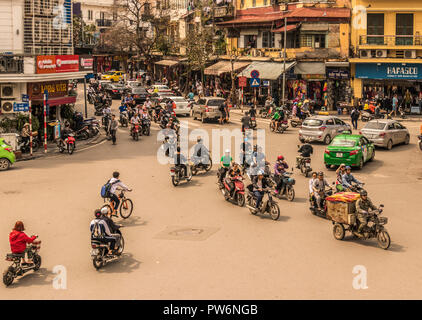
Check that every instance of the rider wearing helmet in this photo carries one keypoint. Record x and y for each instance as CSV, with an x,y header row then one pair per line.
x,y
363,205
260,183
348,178
225,162
279,169
100,230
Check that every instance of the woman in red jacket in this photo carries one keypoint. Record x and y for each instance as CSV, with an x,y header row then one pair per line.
x,y
18,240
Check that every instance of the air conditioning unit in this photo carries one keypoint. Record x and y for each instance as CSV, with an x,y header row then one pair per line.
x,y
6,106
410,54
365,54
8,91
381,53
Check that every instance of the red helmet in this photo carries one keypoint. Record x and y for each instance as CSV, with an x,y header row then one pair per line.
x,y
280,158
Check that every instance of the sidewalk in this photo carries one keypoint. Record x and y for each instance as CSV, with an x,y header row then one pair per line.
x,y
53,150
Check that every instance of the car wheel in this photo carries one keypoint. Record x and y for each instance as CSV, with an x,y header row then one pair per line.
x,y
407,140
389,144
328,166
327,139
4,164
373,155
360,164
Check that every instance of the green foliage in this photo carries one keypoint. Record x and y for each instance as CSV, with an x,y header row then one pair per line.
x,y
16,124
67,111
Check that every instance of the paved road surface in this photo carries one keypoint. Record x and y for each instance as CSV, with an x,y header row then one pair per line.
x,y
220,251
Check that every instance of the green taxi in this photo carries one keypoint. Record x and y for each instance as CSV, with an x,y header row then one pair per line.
x,y
351,149
7,157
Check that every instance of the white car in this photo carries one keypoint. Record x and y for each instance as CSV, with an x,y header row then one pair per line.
x,y
182,105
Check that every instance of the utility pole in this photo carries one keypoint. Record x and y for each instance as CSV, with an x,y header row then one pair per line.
x,y
284,61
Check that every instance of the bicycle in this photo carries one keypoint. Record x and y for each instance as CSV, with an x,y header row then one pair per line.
x,y
125,208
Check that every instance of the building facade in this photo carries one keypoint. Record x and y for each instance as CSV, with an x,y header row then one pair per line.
x,y
387,49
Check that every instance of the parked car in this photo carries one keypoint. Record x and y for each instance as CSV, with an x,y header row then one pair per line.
x,y
182,105
351,149
116,90
113,76
322,128
133,84
386,133
7,156
139,94
207,108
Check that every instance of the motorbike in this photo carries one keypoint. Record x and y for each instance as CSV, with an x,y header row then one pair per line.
x,y
68,144
165,118
146,126
93,127
267,206
305,165
202,166
176,174
100,251
296,122
135,132
252,123
287,189
374,228
124,119
356,187
281,127
83,133
314,207
238,195
105,120
25,146
18,268
420,142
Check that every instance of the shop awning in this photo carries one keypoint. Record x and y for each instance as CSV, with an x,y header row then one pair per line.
x,y
267,70
168,63
58,101
224,66
310,68
338,64
288,28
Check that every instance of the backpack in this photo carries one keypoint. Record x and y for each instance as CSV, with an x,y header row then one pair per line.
x,y
105,189
97,232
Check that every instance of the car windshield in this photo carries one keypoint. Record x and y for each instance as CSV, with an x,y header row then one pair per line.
x,y
215,103
343,143
139,90
162,88
176,99
374,125
312,122
109,73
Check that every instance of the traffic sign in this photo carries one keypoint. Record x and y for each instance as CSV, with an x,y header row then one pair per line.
x,y
243,81
20,107
255,82
254,74
25,98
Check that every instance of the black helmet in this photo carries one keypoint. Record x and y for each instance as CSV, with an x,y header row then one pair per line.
x,y
363,193
97,213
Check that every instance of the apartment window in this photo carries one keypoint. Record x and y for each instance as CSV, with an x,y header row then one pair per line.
x,y
268,39
313,40
250,41
102,16
265,2
404,27
242,3
90,15
306,40
319,41
375,27
254,3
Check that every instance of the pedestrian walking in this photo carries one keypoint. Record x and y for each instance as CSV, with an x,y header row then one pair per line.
x,y
114,124
395,104
355,116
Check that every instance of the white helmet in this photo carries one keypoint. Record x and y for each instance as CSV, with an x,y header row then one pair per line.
x,y
227,150
104,210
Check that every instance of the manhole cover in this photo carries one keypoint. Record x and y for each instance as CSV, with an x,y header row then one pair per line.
x,y
186,232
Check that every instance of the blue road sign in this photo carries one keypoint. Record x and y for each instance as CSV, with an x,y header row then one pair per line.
x,y
255,82
25,98
20,107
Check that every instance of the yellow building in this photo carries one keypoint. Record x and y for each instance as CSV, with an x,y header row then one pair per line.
x,y
387,46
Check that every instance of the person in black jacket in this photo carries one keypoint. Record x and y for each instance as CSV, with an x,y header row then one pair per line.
x,y
305,152
180,161
260,183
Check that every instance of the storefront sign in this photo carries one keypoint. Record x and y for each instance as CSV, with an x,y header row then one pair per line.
x,y
265,83
55,89
57,64
407,71
86,63
313,76
338,74
243,81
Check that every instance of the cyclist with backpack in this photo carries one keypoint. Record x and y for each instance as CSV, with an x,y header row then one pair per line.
x,y
110,188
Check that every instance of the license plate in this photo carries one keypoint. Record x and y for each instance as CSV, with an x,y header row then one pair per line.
x,y
94,252
172,174
339,155
307,164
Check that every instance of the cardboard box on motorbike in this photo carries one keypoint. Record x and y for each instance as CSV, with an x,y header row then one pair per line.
x,y
341,207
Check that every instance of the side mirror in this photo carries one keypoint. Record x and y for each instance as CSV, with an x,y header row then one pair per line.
x,y
298,146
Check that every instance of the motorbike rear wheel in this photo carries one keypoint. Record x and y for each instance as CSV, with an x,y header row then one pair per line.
x,y
209,165
384,240
338,231
70,148
175,181
9,276
274,211
290,194
420,145
252,203
37,261
240,199
97,262
126,208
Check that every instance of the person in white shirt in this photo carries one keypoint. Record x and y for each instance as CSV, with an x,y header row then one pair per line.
x,y
311,183
134,121
116,183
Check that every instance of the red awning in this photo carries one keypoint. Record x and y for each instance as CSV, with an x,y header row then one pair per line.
x,y
289,27
58,101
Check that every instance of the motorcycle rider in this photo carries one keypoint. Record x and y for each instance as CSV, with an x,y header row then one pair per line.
x,y
362,208
123,111
245,153
65,132
319,189
305,151
200,152
279,169
311,183
341,170
115,183
100,230
133,122
246,122
348,178
225,162
233,174
112,129
259,184
25,134
18,240
180,161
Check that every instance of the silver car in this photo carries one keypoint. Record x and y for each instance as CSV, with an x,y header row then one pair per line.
x,y
207,108
386,133
322,128
182,105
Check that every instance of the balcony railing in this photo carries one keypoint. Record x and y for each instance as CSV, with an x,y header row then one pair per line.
x,y
104,22
384,40
223,11
11,64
